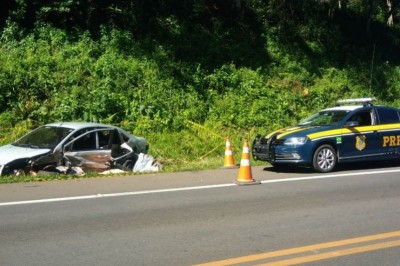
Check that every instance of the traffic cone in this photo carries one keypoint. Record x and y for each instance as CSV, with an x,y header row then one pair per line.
x,y
245,176
229,163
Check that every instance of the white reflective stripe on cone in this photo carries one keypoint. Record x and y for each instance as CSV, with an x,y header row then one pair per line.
x,y
228,152
244,162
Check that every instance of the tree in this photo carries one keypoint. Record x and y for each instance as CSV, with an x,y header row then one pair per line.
x,y
391,9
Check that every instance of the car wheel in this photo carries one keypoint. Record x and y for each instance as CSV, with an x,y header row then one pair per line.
x,y
18,172
324,159
128,164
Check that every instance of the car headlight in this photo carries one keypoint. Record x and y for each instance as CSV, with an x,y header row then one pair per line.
x,y
295,141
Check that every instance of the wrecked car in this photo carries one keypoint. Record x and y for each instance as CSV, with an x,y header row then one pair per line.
x,y
91,146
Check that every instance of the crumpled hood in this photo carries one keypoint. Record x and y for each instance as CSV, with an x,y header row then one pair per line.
x,y
9,153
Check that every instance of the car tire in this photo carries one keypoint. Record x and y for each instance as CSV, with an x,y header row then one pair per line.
x,y
324,159
128,164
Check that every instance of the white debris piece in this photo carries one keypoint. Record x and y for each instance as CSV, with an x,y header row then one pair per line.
x,y
113,171
76,171
146,163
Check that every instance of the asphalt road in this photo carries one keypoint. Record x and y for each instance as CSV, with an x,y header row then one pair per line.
x,y
349,217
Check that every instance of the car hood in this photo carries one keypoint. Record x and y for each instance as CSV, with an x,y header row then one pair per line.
x,y
298,131
9,153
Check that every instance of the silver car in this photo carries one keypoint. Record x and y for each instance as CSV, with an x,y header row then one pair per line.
x,y
91,146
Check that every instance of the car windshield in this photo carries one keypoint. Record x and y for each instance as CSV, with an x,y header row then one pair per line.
x,y
45,137
324,118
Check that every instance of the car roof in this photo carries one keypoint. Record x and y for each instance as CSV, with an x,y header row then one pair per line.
x,y
77,125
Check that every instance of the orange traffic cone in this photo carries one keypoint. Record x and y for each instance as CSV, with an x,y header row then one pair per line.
x,y
245,176
229,163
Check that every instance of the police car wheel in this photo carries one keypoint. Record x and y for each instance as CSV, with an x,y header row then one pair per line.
x,y
324,159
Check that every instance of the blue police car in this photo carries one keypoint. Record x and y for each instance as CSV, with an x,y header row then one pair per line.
x,y
354,130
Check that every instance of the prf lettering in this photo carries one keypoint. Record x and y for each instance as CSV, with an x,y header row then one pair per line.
x,y
391,141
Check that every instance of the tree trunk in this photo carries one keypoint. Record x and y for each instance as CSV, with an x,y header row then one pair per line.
x,y
389,4
370,14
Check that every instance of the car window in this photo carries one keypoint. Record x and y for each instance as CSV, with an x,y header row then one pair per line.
x,y
84,143
324,118
124,137
44,137
104,139
388,115
78,133
363,118
75,135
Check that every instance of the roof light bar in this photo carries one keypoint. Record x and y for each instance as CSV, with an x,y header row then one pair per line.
x,y
364,101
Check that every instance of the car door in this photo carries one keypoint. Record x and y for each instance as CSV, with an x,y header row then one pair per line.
x,y
91,150
389,130
360,139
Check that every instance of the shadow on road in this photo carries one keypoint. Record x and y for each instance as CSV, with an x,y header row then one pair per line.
x,y
339,168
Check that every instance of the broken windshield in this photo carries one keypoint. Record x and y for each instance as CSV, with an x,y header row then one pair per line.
x,y
325,118
45,137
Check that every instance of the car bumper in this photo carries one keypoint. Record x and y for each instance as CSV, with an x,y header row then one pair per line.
x,y
277,154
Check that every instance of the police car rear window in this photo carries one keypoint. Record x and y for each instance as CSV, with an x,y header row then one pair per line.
x,y
388,115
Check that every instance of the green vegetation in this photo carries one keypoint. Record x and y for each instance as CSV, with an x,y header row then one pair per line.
x,y
186,74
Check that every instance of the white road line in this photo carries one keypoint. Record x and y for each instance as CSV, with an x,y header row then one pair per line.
x,y
114,195
330,176
95,196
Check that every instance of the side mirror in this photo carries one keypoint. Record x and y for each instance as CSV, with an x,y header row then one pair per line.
x,y
352,124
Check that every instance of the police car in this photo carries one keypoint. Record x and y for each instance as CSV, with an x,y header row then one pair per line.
x,y
354,130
